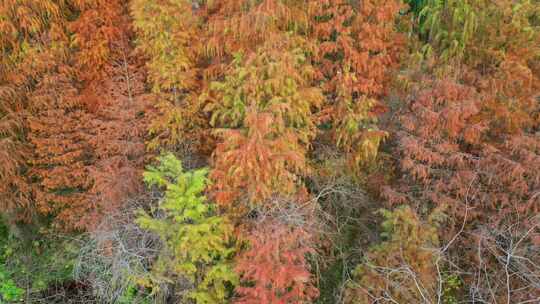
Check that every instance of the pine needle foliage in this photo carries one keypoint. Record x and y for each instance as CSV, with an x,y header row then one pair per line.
x,y
197,242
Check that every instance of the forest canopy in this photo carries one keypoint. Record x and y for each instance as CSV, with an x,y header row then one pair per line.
x,y
270,151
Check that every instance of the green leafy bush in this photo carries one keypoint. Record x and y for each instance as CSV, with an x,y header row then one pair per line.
x,y
37,264
8,289
9,292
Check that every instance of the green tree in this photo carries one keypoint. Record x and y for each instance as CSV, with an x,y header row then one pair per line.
x,y
197,242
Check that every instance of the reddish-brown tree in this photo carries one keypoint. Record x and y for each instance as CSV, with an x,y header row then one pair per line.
x,y
26,31
274,269
86,161
469,141
449,158
87,120
359,48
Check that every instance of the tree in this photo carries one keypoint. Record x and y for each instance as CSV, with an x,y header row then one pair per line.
x,y
451,155
359,47
259,161
495,46
197,243
86,163
84,125
26,31
169,38
255,82
403,267
101,32
274,268
266,121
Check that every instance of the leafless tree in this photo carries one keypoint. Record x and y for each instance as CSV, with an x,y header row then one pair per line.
x,y
118,252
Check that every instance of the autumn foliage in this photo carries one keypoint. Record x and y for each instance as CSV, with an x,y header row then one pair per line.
x,y
276,265
405,259
25,58
468,142
282,127
76,120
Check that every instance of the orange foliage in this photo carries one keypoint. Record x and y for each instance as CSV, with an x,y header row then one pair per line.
x,y
74,148
258,162
452,155
359,48
253,86
445,147
274,269
265,107
26,31
468,141
87,162
474,143
359,45
101,32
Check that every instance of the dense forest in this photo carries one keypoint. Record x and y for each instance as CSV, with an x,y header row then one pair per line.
x,y
270,151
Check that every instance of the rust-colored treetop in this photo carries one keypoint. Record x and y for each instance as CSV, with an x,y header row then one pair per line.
x,y
293,151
